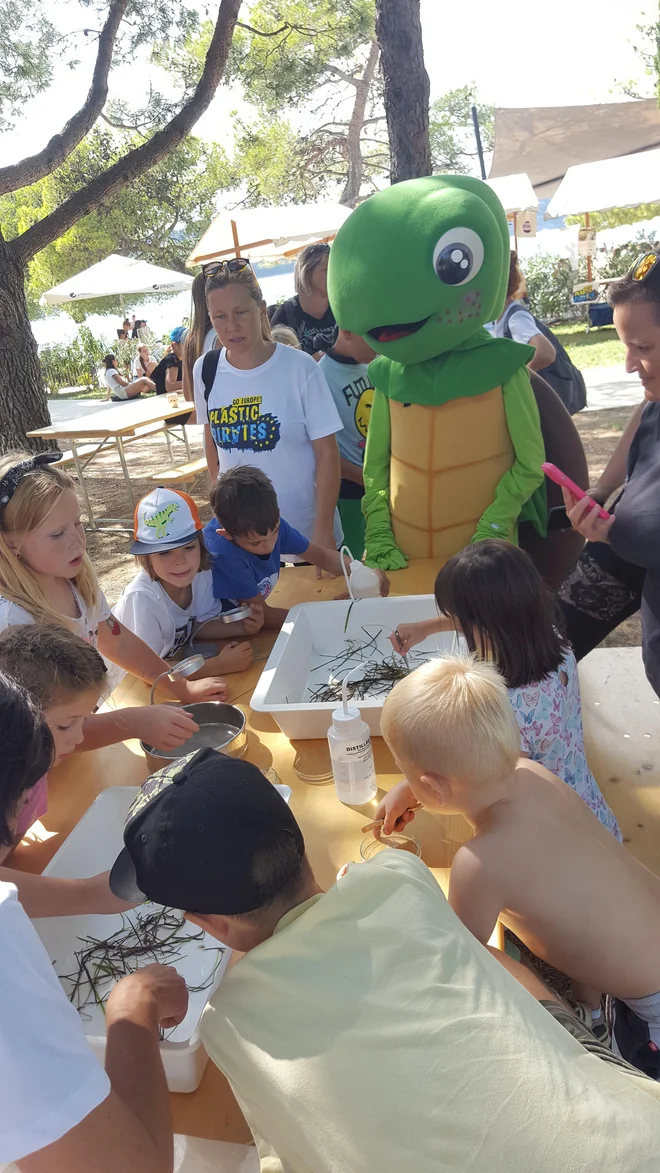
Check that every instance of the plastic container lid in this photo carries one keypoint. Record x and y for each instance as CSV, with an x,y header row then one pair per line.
x,y
313,766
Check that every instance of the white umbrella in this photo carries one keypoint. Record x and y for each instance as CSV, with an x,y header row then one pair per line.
x,y
268,232
116,275
515,192
622,182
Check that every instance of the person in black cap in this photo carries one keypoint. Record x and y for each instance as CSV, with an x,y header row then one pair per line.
x,y
366,1028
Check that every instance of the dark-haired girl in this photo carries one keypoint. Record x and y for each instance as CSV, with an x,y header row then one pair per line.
x,y
492,593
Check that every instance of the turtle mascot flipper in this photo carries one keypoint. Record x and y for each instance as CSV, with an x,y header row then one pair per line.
x,y
455,445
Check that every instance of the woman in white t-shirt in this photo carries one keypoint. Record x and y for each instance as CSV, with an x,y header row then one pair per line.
x,y
46,576
517,323
118,386
143,364
268,406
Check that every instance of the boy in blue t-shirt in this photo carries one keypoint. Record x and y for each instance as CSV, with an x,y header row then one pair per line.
x,y
247,540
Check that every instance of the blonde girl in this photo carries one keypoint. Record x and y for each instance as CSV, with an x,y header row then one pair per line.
x,y
46,576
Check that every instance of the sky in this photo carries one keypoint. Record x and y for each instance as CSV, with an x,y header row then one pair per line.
x,y
565,53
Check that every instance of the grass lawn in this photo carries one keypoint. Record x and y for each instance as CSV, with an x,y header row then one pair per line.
x,y
598,348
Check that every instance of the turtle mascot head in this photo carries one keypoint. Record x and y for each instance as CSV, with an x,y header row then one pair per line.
x,y
419,267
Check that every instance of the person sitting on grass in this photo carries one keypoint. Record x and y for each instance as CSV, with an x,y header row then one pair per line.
x,y
365,1028
539,859
65,677
247,540
118,386
171,597
60,1112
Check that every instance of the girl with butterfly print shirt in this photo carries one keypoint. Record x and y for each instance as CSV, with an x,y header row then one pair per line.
x,y
492,593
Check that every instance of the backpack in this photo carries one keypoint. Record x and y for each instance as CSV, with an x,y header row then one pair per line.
x,y
562,375
209,369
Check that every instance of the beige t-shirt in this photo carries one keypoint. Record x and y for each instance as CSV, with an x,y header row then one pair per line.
x,y
373,1034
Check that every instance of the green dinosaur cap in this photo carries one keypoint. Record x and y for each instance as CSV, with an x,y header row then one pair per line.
x,y
419,267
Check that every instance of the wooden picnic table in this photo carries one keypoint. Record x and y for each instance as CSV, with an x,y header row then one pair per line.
x,y
117,425
333,832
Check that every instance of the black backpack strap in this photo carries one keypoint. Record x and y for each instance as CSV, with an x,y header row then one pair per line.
x,y
209,369
514,308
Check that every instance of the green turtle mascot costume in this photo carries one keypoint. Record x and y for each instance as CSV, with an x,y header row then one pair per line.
x,y
455,442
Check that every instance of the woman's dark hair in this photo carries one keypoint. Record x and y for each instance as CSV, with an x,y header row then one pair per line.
x,y
626,291
26,747
245,502
108,360
515,276
504,609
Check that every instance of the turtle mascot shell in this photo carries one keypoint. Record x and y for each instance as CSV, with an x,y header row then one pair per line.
x,y
458,430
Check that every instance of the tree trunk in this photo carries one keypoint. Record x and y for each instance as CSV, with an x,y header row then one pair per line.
x,y
351,192
407,89
23,404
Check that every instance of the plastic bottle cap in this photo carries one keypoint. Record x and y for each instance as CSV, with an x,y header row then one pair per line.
x,y
347,719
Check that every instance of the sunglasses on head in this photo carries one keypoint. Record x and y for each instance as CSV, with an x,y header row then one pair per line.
x,y
233,265
645,264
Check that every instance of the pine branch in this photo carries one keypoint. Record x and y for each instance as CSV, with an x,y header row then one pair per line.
x,y
59,148
133,165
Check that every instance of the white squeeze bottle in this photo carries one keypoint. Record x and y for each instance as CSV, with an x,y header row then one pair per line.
x,y
351,754
363,582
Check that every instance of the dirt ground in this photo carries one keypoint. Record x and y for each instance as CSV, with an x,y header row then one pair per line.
x,y
600,431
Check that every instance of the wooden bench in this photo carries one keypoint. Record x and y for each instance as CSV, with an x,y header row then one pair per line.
x,y
89,449
182,474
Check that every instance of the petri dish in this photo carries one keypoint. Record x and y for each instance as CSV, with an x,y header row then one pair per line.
x,y
313,766
270,774
370,846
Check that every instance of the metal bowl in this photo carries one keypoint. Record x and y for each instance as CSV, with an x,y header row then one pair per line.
x,y
221,726
236,614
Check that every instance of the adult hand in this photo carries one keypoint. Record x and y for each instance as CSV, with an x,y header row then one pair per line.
x,y
213,688
584,517
326,539
394,809
159,986
164,726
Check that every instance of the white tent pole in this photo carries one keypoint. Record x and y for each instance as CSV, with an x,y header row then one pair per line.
x,y
234,232
121,302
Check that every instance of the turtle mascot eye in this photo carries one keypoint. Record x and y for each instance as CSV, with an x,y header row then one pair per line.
x,y
458,256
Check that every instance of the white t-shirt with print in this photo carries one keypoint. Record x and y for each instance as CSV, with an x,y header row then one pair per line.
x,y
145,607
268,417
86,625
49,1078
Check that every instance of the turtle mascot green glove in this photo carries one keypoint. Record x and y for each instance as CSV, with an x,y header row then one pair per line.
x,y
454,448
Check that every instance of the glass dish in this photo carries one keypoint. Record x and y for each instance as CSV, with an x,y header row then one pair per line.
x,y
371,846
313,766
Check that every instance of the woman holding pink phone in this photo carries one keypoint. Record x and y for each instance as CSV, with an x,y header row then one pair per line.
x,y
618,571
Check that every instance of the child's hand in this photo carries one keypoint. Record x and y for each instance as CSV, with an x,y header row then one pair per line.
x,y
234,657
254,621
210,689
405,636
394,809
384,583
163,726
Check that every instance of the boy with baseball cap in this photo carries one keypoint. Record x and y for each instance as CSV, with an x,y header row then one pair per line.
x,y
365,1028
171,596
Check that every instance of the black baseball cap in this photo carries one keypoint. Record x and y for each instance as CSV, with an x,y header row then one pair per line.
x,y
193,832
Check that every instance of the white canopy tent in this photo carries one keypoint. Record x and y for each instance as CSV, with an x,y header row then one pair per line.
x,y
268,233
116,276
515,192
622,182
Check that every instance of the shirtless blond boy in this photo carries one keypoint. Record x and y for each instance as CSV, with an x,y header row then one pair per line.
x,y
539,858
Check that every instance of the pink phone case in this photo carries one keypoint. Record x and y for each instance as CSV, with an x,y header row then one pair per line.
x,y
560,478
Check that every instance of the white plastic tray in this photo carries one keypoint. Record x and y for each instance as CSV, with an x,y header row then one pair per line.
x,y
313,634
92,847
